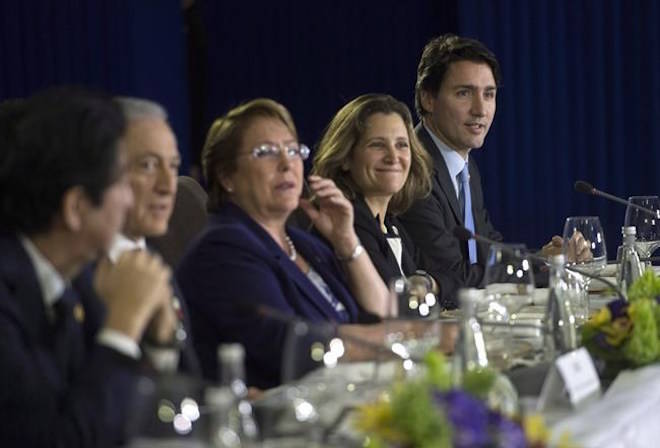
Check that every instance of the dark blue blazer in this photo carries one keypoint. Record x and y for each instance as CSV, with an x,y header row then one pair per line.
x,y
40,404
235,263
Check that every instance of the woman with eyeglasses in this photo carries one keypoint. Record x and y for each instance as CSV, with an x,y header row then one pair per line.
x,y
249,273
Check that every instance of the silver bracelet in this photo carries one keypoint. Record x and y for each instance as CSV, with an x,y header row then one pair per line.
x,y
356,253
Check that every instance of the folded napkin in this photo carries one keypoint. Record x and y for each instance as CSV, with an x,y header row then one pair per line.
x,y
626,416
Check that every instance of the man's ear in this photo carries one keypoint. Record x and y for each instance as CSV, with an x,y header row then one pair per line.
x,y
427,99
74,204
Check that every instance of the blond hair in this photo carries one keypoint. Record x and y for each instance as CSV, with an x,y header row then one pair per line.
x,y
345,131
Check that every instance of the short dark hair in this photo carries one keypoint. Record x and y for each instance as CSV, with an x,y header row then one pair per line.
x,y
439,54
56,140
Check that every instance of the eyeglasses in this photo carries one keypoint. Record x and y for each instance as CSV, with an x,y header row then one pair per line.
x,y
268,151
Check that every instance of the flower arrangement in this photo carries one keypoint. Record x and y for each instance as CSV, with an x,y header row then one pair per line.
x,y
626,334
429,412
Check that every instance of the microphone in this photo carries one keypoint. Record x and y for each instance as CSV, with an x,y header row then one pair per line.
x,y
586,188
464,234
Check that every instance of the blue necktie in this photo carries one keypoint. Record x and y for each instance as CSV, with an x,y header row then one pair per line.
x,y
68,334
468,219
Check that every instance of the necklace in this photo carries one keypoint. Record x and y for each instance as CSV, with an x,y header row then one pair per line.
x,y
292,249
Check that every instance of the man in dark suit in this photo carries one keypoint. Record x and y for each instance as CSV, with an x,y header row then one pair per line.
x,y
153,161
69,360
455,98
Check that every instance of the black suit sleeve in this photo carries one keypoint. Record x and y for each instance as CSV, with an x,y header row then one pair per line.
x,y
40,409
484,225
442,257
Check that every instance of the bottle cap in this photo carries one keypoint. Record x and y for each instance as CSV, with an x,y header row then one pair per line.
x,y
628,230
557,260
231,353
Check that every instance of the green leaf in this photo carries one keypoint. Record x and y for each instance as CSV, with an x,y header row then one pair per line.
x,y
478,382
642,346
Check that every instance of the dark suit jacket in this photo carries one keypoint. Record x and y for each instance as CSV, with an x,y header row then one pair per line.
x,y
40,404
375,243
430,223
235,265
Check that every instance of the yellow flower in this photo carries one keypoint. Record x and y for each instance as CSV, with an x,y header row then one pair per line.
x,y
535,430
616,332
600,318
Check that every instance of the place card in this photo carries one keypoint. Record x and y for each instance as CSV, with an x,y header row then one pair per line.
x,y
572,380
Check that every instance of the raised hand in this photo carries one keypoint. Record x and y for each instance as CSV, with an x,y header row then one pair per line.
x,y
578,249
334,216
554,247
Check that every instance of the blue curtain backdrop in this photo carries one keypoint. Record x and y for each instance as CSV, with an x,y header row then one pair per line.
x,y
580,100
128,47
316,56
580,97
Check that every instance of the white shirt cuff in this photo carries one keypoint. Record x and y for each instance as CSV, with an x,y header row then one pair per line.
x,y
119,342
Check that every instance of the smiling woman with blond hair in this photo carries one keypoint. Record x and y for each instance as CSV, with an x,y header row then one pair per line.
x,y
371,152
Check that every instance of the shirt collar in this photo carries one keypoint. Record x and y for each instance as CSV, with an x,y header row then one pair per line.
x,y
51,283
123,244
455,163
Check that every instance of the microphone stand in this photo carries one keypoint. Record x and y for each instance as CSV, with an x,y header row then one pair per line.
x,y
586,188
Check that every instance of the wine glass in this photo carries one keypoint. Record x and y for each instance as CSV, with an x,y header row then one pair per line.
x,y
585,249
311,379
647,225
412,328
509,280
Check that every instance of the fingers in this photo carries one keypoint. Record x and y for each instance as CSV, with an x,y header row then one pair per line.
x,y
554,247
134,288
579,248
309,209
162,326
326,189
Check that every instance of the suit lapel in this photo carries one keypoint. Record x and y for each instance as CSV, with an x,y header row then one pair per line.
x,y
17,273
441,173
304,284
292,273
25,304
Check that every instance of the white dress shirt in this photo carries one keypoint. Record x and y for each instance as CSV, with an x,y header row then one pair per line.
x,y
455,163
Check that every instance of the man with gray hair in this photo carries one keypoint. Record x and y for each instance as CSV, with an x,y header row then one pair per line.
x,y
153,163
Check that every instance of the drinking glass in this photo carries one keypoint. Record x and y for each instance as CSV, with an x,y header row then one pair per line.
x,y
413,328
648,226
313,388
509,280
585,249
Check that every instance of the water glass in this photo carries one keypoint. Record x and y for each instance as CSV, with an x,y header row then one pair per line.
x,y
647,225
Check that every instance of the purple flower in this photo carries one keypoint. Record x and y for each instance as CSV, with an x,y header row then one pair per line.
x,y
618,308
505,432
467,415
474,425
601,341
